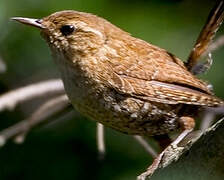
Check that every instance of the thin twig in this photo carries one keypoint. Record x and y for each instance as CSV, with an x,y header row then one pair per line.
x,y
10,99
207,120
218,43
146,146
216,110
209,116
100,140
2,66
46,110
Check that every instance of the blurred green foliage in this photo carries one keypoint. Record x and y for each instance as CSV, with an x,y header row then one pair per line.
x,y
66,149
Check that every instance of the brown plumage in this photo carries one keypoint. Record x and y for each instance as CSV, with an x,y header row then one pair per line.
x,y
119,80
207,34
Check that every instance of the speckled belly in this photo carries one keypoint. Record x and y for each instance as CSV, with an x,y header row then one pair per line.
x,y
126,114
130,115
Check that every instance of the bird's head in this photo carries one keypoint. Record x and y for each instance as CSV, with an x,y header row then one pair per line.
x,y
72,32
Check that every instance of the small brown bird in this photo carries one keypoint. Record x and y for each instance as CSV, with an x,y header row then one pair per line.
x,y
121,81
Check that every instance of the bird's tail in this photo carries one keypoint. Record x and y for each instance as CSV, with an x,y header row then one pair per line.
x,y
207,34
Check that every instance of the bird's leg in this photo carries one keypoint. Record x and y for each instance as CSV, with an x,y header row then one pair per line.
x,y
187,124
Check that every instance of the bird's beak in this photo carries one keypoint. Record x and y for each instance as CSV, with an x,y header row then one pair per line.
x,y
29,21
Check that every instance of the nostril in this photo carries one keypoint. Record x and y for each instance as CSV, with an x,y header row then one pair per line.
x,y
39,21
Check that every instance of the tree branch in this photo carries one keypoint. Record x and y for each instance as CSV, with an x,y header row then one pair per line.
x,y
100,140
46,110
199,156
208,118
10,99
2,66
146,146
219,42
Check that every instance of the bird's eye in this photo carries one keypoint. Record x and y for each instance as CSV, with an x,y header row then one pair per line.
x,y
67,30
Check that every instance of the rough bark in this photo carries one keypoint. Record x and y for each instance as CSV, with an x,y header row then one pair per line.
x,y
200,157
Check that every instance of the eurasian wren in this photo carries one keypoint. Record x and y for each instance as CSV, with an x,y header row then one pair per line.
x,y
121,81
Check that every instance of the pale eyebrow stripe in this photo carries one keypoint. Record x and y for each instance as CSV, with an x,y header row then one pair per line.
x,y
86,28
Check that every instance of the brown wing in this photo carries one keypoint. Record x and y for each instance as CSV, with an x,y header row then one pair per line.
x,y
156,75
163,92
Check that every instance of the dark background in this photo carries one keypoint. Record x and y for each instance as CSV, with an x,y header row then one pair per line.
x,y
66,148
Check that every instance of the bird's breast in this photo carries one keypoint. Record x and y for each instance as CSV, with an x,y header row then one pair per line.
x,y
105,105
